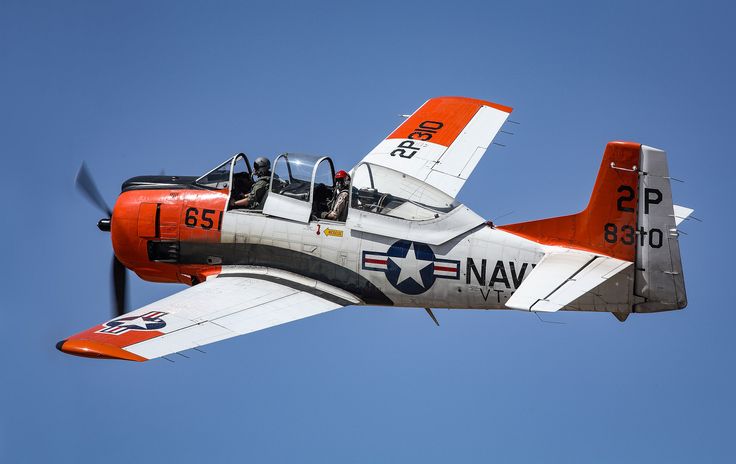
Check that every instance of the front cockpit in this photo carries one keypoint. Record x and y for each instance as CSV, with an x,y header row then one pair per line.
x,y
235,171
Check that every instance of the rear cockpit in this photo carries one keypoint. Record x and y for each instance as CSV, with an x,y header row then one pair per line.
x,y
381,190
301,188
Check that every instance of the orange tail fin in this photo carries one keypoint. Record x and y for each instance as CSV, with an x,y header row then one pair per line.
x,y
608,224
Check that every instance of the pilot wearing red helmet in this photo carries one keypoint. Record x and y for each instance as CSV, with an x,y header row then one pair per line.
x,y
339,203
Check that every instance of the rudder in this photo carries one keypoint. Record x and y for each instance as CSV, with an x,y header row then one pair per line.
x,y
659,278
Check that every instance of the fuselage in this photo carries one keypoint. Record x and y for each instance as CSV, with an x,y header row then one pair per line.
x,y
185,235
477,269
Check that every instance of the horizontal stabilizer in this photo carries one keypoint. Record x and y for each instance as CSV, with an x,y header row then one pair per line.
x,y
681,213
562,277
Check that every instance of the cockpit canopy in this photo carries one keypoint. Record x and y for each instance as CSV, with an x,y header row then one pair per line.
x,y
219,178
301,186
301,176
381,190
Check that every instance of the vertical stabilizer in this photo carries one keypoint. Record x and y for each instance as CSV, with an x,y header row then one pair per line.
x,y
608,224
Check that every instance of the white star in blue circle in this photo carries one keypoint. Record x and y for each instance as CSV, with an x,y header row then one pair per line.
x,y
137,323
410,267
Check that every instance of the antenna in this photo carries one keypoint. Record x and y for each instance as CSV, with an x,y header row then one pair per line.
x,y
546,322
431,314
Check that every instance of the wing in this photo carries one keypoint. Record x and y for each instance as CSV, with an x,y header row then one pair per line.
x,y
238,301
442,142
562,277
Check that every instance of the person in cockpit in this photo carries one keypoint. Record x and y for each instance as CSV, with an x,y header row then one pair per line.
x,y
254,200
242,183
339,203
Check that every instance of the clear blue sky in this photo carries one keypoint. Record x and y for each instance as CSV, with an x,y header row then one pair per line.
x,y
134,87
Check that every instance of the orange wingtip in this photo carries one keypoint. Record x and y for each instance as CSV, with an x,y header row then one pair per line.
x,y
504,108
92,349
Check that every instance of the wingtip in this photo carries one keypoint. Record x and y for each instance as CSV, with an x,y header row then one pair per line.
x,y
498,106
60,345
92,349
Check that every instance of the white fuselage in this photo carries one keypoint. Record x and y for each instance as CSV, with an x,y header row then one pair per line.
x,y
480,267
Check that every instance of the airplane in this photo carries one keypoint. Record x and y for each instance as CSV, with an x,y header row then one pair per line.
x,y
405,241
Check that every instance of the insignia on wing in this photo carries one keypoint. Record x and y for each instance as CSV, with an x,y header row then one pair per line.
x,y
150,321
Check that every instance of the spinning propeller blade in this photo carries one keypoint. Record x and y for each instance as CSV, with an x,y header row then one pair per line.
x,y
119,285
86,185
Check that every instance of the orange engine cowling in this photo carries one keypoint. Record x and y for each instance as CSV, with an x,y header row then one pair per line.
x,y
148,225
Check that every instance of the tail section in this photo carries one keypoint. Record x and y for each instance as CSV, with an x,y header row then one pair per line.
x,y
630,217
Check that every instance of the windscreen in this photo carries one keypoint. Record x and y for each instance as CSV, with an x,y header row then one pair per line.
x,y
292,175
217,178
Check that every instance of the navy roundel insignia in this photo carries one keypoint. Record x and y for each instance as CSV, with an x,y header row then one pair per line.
x,y
411,267
150,321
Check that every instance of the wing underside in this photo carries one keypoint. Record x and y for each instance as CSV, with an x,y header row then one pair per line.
x,y
240,300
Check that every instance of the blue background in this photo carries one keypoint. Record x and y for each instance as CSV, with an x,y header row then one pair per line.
x,y
134,87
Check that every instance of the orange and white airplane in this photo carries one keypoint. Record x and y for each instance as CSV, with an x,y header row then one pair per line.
x,y
405,241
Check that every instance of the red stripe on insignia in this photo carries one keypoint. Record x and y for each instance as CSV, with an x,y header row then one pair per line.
x,y
376,261
445,268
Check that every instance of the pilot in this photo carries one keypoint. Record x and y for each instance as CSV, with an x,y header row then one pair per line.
x,y
242,184
339,202
254,200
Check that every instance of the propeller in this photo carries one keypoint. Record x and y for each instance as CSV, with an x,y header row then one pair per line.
x,y
87,186
120,286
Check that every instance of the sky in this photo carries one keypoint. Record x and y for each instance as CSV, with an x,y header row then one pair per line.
x,y
136,87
